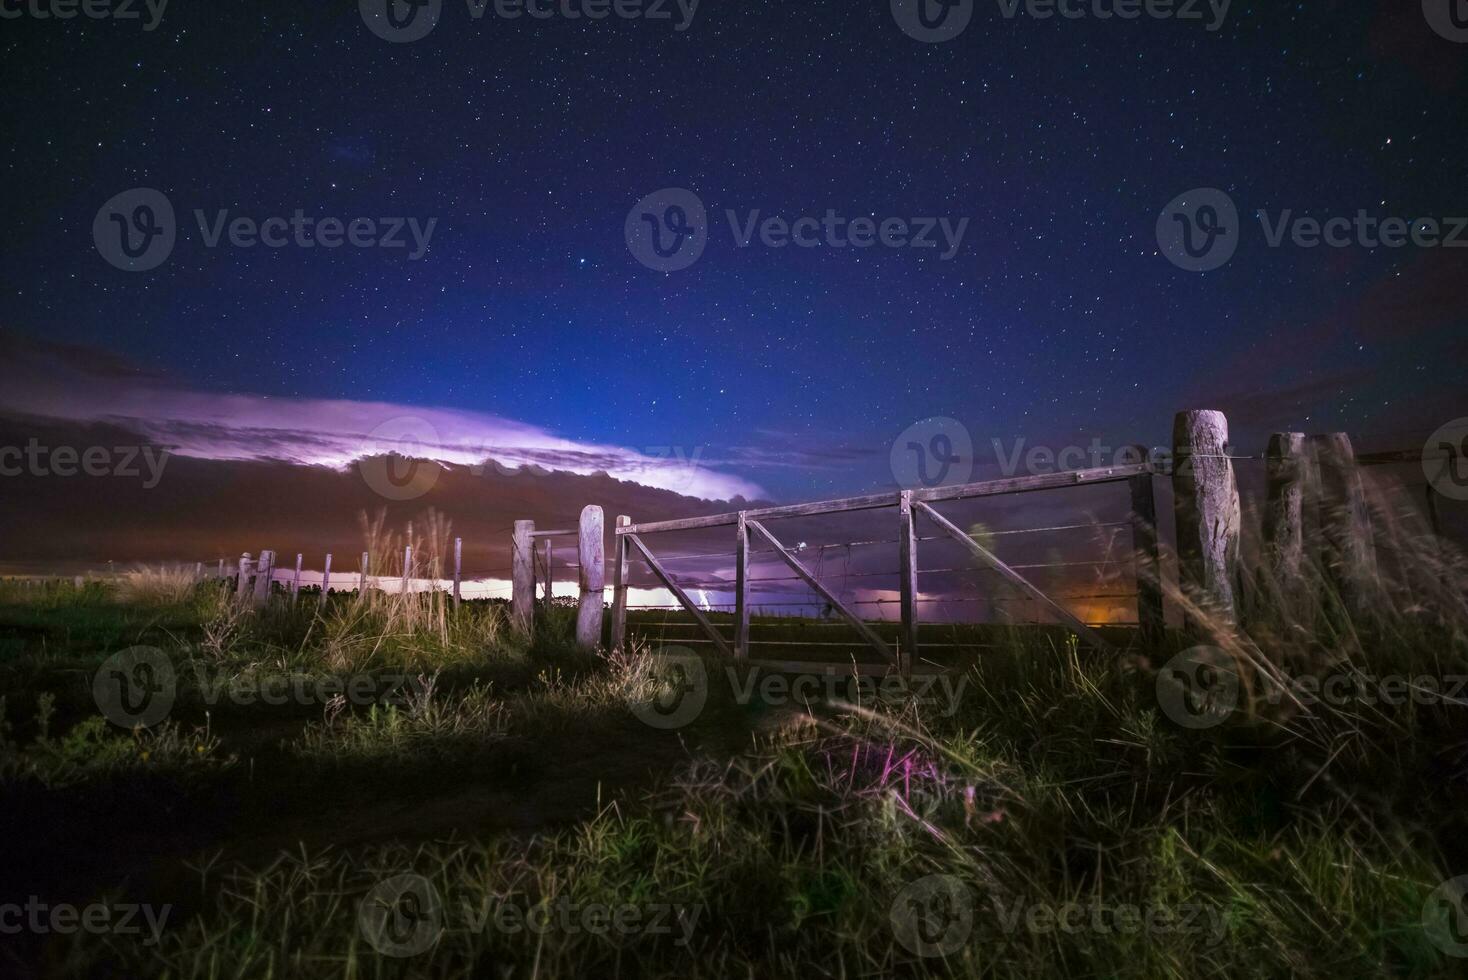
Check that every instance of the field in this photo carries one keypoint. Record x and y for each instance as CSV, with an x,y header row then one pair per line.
x,y
390,786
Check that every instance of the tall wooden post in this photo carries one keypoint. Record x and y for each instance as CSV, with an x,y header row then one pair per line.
x,y
741,589
362,575
549,577
326,579
242,586
1151,621
407,568
591,555
296,582
458,569
264,573
1206,502
907,572
1286,472
1345,521
522,576
618,633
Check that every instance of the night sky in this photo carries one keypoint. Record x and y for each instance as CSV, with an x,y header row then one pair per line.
x,y
530,140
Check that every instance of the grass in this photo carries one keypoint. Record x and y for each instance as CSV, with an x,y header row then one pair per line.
x,y
497,800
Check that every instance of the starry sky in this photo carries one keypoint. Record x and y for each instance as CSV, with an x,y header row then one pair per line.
x,y
529,141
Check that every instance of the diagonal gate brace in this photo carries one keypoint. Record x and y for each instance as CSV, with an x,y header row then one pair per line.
x,y
987,557
866,631
682,597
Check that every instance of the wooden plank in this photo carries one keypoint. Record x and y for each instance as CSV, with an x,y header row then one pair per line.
x,y
741,589
907,574
1015,578
522,576
618,635
592,575
681,596
1018,484
554,534
876,642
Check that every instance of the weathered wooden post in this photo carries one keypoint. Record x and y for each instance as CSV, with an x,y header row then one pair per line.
x,y
1287,472
591,555
549,576
618,633
458,570
741,588
908,582
1206,504
242,585
407,568
296,581
1151,621
1345,521
326,579
362,575
221,568
264,573
522,577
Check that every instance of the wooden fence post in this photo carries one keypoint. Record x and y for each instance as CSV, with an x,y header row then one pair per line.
x,y
458,570
296,582
362,575
1345,521
407,568
242,586
741,588
907,576
549,577
522,576
221,568
326,579
1151,619
264,573
1206,503
619,586
591,555
1287,472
